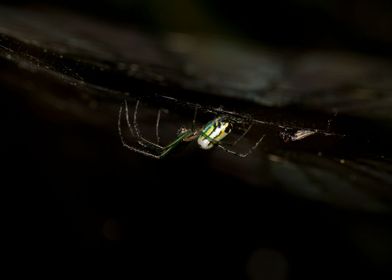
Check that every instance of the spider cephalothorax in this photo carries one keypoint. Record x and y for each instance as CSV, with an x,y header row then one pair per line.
x,y
207,136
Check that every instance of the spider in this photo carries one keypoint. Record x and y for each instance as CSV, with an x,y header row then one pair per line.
x,y
207,136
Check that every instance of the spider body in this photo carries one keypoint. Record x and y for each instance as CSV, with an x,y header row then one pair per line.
x,y
213,132
208,136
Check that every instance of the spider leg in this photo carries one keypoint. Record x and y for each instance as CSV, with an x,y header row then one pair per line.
x,y
165,150
194,117
129,124
146,153
242,154
157,126
240,137
141,140
127,117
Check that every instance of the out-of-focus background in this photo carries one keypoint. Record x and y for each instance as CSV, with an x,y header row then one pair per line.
x,y
317,206
359,25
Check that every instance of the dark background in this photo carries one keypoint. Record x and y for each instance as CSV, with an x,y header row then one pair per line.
x,y
197,214
359,25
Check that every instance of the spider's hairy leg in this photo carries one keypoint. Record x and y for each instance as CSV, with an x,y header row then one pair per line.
x,y
175,143
157,126
194,117
146,153
141,140
242,154
127,117
235,142
165,150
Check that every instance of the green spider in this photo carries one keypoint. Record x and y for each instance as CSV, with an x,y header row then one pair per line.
x,y
208,136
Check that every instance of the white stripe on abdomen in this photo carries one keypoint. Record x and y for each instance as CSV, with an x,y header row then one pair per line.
x,y
205,143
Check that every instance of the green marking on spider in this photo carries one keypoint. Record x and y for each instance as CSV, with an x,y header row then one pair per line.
x,y
207,137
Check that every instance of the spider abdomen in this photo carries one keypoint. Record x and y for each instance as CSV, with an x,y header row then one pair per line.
x,y
213,133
